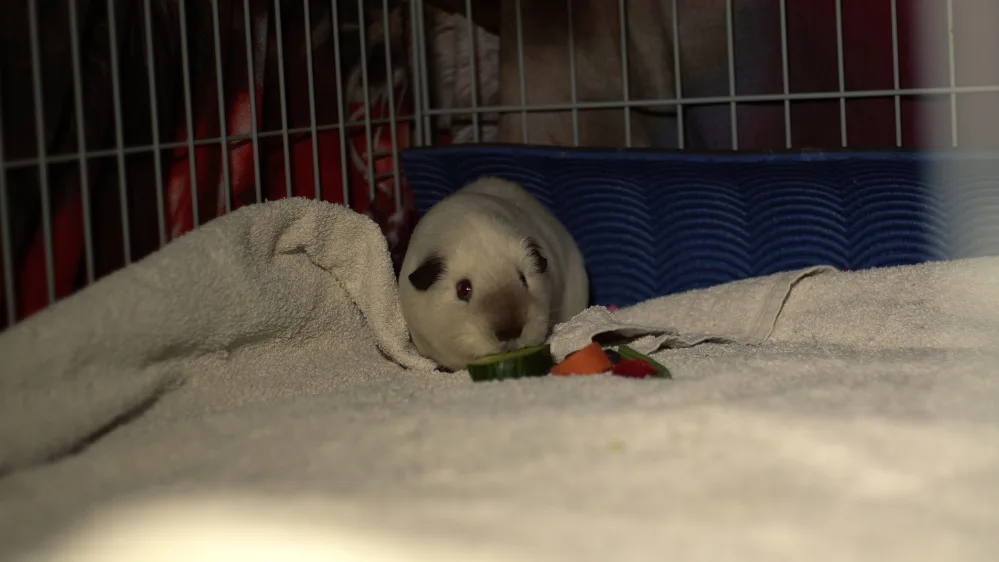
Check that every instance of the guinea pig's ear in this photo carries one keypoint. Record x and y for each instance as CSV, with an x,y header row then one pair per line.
x,y
428,273
540,261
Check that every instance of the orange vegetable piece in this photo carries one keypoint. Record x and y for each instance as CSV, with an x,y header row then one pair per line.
x,y
590,360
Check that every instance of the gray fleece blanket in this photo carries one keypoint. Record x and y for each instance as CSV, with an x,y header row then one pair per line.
x,y
249,393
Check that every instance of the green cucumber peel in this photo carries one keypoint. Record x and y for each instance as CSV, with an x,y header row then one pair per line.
x,y
533,361
515,354
628,353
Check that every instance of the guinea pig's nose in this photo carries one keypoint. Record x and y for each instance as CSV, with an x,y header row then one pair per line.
x,y
508,333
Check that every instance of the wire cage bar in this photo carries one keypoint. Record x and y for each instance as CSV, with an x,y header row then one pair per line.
x,y
251,100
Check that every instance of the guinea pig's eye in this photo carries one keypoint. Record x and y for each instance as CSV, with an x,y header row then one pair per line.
x,y
463,289
523,280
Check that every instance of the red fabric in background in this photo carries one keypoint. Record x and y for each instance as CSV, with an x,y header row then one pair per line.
x,y
205,184
868,65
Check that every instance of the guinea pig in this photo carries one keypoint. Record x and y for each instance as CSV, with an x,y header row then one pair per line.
x,y
488,269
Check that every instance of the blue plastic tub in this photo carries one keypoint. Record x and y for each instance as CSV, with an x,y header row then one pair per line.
x,y
655,223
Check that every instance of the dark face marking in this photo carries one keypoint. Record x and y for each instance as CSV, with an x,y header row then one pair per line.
x,y
423,277
506,314
540,261
509,332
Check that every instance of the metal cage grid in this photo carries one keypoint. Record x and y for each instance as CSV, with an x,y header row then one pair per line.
x,y
422,117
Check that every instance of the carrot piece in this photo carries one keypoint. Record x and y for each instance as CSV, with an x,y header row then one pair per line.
x,y
590,360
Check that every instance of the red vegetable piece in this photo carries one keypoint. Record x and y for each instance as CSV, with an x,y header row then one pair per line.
x,y
633,369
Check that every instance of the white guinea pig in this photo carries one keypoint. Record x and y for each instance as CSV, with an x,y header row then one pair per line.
x,y
488,269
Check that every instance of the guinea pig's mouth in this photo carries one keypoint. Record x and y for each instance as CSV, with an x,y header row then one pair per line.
x,y
499,348
508,346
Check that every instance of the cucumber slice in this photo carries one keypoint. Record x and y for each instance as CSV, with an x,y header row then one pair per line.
x,y
627,353
526,362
